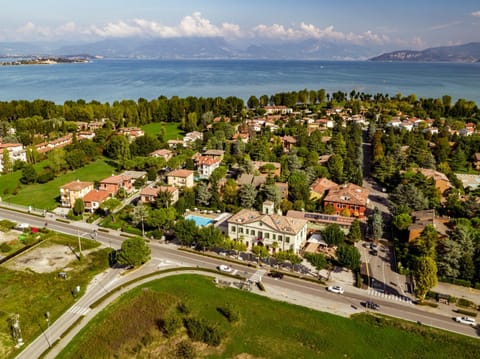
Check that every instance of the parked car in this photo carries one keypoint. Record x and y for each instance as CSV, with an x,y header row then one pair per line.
x,y
276,275
374,246
466,320
225,268
335,289
372,305
374,252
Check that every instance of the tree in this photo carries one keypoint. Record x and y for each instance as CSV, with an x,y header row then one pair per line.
x,y
75,159
298,187
7,163
203,194
402,221
355,233
260,252
375,224
348,256
56,160
140,214
134,251
186,231
425,274
209,237
317,260
29,175
407,195
79,206
335,167
163,199
247,195
449,256
333,235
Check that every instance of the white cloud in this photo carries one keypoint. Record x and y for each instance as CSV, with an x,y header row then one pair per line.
x,y
476,13
194,25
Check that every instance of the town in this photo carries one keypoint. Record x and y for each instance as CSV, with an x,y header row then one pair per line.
x,y
307,183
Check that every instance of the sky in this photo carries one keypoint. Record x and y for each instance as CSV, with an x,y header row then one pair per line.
x,y
398,24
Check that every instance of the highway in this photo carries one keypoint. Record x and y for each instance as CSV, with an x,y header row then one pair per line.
x,y
166,253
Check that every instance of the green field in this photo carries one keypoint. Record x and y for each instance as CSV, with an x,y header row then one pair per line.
x,y
31,294
134,327
44,195
172,131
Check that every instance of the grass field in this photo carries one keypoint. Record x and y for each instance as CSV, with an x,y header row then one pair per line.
x,y
172,131
31,294
266,328
44,196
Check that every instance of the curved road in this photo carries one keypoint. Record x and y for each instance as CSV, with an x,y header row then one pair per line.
x,y
163,256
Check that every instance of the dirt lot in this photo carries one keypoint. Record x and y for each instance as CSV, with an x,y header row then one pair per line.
x,y
43,259
8,236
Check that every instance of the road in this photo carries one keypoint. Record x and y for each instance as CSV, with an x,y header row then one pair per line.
x,y
295,290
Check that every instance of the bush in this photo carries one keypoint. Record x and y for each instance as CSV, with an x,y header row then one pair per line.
x,y
462,302
45,177
171,325
185,350
182,308
359,280
5,248
466,312
6,225
199,330
230,312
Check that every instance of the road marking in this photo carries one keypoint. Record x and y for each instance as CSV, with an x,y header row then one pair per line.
x,y
257,276
79,310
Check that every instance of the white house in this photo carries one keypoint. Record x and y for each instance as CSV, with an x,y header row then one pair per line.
x,y
15,151
267,228
206,165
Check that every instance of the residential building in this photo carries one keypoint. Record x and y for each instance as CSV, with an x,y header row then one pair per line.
x,y
421,219
180,178
284,110
113,183
149,194
442,183
347,197
94,199
320,187
16,152
267,168
163,153
273,231
288,142
131,132
70,192
206,165
214,153
319,221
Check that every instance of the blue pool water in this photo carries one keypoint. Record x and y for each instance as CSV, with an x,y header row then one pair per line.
x,y
200,221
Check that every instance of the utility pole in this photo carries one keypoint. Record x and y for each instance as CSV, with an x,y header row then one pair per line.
x,y
15,330
79,242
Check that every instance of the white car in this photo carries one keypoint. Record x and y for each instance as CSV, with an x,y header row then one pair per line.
x,y
466,320
225,268
335,289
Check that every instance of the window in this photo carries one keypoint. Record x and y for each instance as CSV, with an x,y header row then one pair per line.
x,y
246,231
234,229
280,237
252,232
267,235
287,239
240,230
274,236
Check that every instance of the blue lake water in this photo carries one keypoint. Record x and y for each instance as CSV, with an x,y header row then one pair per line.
x,y
111,80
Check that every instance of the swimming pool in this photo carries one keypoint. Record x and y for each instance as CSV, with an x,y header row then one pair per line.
x,y
200,221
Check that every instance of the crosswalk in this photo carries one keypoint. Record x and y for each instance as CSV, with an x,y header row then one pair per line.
x,y
79,310
257,276
398,298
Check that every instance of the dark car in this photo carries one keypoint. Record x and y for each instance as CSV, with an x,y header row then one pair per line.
x,y
374,252
276,275
372,305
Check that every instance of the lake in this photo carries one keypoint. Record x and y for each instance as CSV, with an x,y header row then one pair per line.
x,y
114,79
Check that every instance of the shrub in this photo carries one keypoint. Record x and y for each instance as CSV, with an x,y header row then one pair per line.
x,y
359,280
45,177
200,330
462,302
185,350
182,308
230,312
6,225
171,325
466,312
5,248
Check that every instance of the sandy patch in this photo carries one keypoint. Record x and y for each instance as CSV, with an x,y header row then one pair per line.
x,y
44,259
9,236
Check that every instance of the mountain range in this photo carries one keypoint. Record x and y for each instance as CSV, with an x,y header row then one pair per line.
x,y
219,48
459,53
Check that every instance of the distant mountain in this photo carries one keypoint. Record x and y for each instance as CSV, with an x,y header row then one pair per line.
x,y
460,53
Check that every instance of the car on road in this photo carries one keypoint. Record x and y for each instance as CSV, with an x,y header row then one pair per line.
x,y
466,320
335,289
225,268
276,275
372,305
374,252
374,247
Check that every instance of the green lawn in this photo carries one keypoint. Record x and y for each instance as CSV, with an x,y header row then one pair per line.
x,y
266,329
44,196
172,131
31,294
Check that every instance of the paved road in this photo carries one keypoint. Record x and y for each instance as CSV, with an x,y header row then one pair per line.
x,y
289,289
